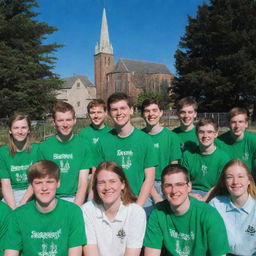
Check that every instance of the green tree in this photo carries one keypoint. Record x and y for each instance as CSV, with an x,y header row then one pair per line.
x,y
215,61
27,83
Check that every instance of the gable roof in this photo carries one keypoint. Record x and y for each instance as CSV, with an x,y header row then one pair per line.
x,y
137,66
69,81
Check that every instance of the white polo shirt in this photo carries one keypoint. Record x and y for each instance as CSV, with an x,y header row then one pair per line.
x,y
126,230
240,224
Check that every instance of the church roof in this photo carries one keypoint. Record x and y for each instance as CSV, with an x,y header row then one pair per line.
x,y
69,81
137,66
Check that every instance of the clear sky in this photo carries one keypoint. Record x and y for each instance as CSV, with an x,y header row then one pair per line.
x,y
147,30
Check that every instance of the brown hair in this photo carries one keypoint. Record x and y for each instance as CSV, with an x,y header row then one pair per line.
x,y
127,195
238,111
190,101
174,168
61,106
221,189
11,144
150,101
118,96
42,169
96,103
205,121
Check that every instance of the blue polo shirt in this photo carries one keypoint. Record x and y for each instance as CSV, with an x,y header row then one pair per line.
x,y
240,224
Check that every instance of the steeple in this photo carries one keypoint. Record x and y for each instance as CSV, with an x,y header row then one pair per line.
x,y
105,45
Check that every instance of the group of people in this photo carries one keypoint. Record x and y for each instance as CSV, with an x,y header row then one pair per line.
x,y
85,193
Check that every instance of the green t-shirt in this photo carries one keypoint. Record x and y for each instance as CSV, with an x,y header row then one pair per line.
x,y
188,140
204,170
35,233
71,156
92,135
4,212
244,149
16,167
198,232
167,145
134,153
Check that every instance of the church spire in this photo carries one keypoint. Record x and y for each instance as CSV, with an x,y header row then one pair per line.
x,y
105,45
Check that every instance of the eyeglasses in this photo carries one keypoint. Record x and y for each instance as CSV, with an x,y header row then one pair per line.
x,y
175,185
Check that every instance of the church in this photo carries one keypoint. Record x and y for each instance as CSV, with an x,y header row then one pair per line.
x,y
129,76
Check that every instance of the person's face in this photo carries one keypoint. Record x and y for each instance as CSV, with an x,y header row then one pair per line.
x,y
206,135
187,115
109,187
152,114
97,116
237,181
120,112
19,130
64,122
44,190
176,189
238,125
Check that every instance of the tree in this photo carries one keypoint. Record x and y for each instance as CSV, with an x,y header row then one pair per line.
x,y
215,61
27,83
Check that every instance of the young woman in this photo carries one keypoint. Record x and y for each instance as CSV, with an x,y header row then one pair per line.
x,y
114,224
234,197
15,159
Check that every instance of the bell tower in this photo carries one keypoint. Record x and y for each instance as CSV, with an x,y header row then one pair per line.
x,y
103,60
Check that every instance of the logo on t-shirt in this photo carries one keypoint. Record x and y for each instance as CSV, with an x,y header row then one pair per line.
x,y
51,250
204,169
156,145
250,230
95,140
121,234
126,158
245,156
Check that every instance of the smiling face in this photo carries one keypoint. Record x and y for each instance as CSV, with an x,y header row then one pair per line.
x,y
97,116
109,188
152,114
64,122
44,190
120,112
19,130
238,125
187,115
206,135
176,189
237,181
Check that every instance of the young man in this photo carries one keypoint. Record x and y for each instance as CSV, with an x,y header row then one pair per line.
x,y
70,153
237,142
46,225
129,147
206,162
184,225
97,113
166,142
187,112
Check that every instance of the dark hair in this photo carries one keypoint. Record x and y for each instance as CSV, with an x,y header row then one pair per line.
x,y
127,195
96,103
118,96
205,121
42,169
221,189
150,101
238,111
61,106
174,168
11,144
190,101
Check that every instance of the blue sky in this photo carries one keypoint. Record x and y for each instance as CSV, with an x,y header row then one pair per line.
x,y
147,30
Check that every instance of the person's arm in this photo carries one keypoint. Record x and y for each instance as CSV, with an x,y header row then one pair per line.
x,y
8,193
132,252
152,252
90,250
28,194
146,186
11,253
82,186
75,251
